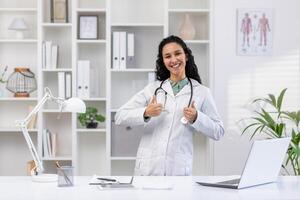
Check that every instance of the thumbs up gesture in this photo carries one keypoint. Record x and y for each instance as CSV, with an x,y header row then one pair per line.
x,y
190,113
153,109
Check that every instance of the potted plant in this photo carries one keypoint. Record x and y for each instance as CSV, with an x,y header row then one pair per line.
x,y
274,122
90,118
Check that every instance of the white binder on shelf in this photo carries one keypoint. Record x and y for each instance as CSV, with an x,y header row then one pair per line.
x,y
68,85
123,50
116,50
83,79
61,85
130,50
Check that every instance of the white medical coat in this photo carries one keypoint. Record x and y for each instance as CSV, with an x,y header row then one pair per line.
x,y
166,147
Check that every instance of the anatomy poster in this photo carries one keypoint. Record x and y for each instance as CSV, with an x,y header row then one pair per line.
x,y
254,32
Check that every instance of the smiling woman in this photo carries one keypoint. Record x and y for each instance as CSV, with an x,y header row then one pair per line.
x,y
166,147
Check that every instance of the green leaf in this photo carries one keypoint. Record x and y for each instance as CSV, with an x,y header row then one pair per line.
x,y
255,132
273,100
249,127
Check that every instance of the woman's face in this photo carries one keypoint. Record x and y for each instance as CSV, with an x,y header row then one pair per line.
x,y
175,60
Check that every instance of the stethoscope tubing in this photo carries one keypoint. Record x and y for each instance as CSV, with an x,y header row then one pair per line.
x,y
191,86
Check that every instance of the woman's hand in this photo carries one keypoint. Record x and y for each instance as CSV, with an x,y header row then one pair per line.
x,y
153,109
190,113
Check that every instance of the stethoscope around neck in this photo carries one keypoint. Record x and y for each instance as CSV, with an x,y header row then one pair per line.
x,y
160,89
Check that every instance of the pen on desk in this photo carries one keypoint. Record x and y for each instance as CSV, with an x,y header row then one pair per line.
x,y
107,179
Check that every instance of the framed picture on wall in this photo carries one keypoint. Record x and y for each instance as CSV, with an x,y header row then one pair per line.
x,y
254,31
59,11
88,27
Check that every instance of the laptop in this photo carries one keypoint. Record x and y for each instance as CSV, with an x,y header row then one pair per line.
x,y
262,166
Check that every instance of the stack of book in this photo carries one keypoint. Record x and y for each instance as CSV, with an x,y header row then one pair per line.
x,y
49,55
64,85
49,144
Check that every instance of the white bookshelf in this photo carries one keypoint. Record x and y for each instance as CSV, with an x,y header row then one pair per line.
x,y
93,151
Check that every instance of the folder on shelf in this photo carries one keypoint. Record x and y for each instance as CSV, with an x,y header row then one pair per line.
x,y
68,85
116,50
48,50
54,55
130,50
44,55
83,78
53,144
61,85
45,143
123,50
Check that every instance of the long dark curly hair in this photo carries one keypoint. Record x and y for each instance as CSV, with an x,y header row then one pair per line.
x,y
191,70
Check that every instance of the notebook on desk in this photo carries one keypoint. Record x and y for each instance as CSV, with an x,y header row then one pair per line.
x,y
262,166
111,182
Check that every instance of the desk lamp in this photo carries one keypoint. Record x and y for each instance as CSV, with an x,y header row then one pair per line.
x,y
70,105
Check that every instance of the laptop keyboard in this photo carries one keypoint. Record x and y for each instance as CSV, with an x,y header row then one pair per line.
x,y
230,182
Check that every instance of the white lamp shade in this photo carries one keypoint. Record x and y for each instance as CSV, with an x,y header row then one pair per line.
x,y
18,24
74,105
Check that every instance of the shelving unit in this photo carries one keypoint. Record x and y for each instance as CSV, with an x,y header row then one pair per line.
x,y
108,149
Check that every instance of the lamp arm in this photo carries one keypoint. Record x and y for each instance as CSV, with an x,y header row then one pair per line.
x,y
37,108
23,125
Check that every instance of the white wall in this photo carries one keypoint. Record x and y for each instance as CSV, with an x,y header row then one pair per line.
x,y
238,79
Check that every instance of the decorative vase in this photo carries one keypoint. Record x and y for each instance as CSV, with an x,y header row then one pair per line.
x,y
187,30
92,125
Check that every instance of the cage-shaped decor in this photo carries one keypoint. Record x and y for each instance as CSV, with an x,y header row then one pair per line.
x,y
21,82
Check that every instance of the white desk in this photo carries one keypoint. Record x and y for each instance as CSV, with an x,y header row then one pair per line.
x,y
184,188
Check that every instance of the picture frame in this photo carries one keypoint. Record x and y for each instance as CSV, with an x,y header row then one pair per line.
x,y
254,31
88,27
59,11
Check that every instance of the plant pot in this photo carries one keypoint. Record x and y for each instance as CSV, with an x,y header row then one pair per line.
x,y
92,125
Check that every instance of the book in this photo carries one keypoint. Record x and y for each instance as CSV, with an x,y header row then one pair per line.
x,y
61,85
48,54
68,85
32,123
54,55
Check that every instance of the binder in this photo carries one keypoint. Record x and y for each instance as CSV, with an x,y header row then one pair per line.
x,y
61,85
116,50
68,85
86,80
130,50
123,50
83,79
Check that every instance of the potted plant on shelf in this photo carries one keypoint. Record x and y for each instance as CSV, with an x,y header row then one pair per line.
x,y
90,118
276,123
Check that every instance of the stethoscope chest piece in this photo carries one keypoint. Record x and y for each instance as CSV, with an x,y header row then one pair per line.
x,y
184,120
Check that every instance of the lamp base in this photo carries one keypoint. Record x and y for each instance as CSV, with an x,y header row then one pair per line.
x,y
44,178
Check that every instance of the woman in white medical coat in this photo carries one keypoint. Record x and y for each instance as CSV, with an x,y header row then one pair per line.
x,y
171,110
